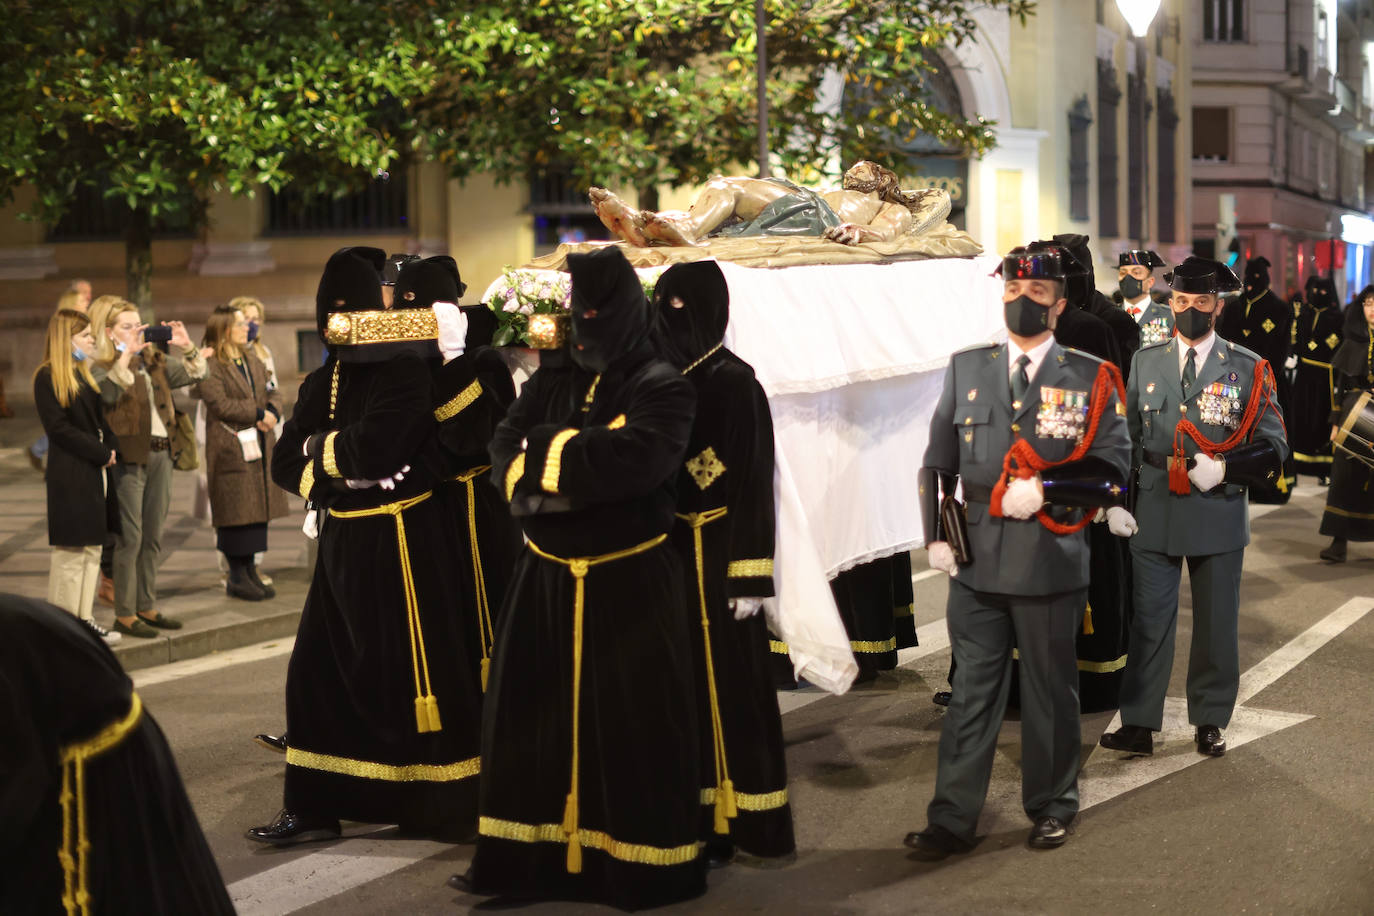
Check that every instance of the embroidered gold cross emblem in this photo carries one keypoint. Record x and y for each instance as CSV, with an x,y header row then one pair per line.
x,y
1332,341
705,468
1268,325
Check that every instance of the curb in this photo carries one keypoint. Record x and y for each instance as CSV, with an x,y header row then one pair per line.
x,y
147,653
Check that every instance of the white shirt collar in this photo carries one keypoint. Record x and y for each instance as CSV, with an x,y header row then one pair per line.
x,y
1143,305
1203,348
1036,354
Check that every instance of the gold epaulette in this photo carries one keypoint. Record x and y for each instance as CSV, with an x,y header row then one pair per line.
x,y
391,326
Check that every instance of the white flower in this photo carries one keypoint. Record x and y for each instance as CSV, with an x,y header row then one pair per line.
x,y
510,306
527,309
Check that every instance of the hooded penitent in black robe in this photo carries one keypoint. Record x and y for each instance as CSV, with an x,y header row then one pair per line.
x,y
1260,321
96,818
1350,501
472,393
724,535
1315,340
383,726
590,784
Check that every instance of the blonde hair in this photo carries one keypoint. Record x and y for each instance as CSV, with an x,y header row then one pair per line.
x,y
71,299
243,304
67,374
105,312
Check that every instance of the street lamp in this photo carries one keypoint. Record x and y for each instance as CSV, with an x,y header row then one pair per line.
x,y
1138,15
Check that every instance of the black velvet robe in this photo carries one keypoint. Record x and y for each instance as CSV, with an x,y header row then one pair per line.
x,y
1316,338
594,473
1349,509
1264,323
60,685
361,746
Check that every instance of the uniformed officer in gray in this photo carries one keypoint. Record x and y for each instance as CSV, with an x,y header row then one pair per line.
x,y
1136,278
1025,586
1199,377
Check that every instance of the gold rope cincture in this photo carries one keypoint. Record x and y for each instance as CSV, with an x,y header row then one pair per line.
x,y
725,801
486,635
76,896
426,704
579,567
1088,620
704,357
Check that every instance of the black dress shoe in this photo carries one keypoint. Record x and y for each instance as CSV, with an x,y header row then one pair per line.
x,y
161,621
1133,739
935,843
240,584
272,742
291,828
267,589
460,883
719,852
1335,551
942,697
1209,741
1048,833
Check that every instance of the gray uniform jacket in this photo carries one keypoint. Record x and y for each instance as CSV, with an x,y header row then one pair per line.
x,y
1156,324
973,428
1200,523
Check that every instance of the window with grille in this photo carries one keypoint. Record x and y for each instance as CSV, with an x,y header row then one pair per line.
x,y
561,210
383,206
1080,119
1108,98
1212,134
1166,132
1223,20
94,217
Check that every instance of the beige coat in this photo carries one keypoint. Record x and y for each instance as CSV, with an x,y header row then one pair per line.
x,y
241,493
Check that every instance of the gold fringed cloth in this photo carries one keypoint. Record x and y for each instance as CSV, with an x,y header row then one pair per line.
x,y
782,251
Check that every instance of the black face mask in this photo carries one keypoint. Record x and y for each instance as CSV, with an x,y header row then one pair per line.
x,y
1193,324
1026,317
1131,288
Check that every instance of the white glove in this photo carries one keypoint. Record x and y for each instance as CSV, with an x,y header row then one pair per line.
x,y
1207,473
386,483
356,483
1121,523
1024,497
941,557
311,526
453,329
1291,362
745,608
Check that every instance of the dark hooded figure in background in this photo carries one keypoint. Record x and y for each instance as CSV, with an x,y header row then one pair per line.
x,y
382,727
96,818
1082,293
1349,514
590,783
725,534
1316,337
1260,321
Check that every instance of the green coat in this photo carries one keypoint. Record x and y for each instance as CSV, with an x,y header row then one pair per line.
x,y
1156,324
973,428
1199,523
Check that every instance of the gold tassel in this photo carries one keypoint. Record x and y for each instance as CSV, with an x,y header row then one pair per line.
x,y
727,793
570,815
722,825
421,716
432,713
1088,620
486,670
574,855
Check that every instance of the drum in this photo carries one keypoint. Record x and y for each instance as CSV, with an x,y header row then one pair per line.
x,y
1355,434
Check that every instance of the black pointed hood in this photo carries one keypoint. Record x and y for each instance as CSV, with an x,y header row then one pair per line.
x,y
421,283
692,306
1256,275
351,282
610,316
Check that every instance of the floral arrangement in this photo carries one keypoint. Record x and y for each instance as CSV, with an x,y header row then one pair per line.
x,y
518,294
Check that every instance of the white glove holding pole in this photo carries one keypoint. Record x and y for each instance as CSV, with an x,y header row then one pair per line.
x,y
1121,523
941,557
1291,362
453,329
1207,473
386,483
1024,497
745,608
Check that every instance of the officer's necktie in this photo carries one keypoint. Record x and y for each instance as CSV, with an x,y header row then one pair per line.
x,y
1189,370
1019,380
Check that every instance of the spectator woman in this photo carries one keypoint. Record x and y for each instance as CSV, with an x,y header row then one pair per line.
x,y
253,311
136,382
241,411
82,447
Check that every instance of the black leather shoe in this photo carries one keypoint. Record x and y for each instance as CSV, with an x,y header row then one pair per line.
x,y
1133,739
1048,833
942,698
291,828
460,883
1335,551
719,852
1209,741
272,742
267,590
241,585
161,621
935,843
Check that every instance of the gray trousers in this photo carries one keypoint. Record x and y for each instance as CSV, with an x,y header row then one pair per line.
x,y
1213,659
983,629
145,492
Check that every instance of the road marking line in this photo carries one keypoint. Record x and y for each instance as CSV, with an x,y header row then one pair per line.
x,y
1296,650
319,876
924,574
147,677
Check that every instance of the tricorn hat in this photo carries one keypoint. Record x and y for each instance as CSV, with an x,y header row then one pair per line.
x,y
351,282
1038,261
392,268
1140,257
1203,275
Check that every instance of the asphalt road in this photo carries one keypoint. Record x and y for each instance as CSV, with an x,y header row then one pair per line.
x,y
1284,823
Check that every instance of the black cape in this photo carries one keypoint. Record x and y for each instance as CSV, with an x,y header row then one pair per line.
x,y
1349,511
1316,339
60,686
1264,323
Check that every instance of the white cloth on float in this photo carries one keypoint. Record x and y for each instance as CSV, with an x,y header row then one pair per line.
x,y
852,359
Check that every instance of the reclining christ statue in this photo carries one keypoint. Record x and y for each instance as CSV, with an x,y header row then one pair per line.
x,y
869,207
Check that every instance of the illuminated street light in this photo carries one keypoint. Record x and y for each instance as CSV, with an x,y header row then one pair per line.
x,y
1138,14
